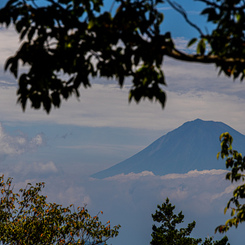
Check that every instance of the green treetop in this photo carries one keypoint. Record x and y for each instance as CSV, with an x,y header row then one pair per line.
x,y
167,232
27,218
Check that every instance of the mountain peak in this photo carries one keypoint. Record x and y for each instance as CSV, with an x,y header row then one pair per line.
x,y
192,146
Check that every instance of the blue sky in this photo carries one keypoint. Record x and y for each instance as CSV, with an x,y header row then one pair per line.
x,y
102,129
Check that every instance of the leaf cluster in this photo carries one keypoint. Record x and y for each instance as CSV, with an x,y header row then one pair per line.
x,y
27,218
227,39
235,162
65,43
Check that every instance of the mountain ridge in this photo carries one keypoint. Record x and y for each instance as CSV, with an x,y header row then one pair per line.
x,y
192,146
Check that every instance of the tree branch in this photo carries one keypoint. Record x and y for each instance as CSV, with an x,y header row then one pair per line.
x,y
221,6
209,3
206,59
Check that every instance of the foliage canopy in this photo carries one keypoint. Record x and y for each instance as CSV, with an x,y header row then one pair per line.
x,y
65,43
27,218
168,233
235,162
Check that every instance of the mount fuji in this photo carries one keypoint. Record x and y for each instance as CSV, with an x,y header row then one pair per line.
x,y
192,146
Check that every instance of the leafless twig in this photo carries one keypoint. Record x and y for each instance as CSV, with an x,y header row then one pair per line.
x,y
180,9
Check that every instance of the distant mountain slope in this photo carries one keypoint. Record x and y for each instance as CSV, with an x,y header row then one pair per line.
x,y
194,145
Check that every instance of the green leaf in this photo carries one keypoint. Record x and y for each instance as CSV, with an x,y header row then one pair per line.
x,y
201,46
218,155
212,15
8,63
23,33
31,33
191,42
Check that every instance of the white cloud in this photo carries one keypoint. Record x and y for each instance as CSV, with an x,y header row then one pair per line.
x,y
181,44
15,145
34,169
198,191
111,109
9,43
74,194
228,190
201,195
43,168
130,199
190,174
195,173
130,176
37,140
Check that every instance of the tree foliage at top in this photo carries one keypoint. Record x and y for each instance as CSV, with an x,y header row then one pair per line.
x,y
65,43
167,232
27,218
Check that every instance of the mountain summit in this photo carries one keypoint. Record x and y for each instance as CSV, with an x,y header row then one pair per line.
x,y
194,145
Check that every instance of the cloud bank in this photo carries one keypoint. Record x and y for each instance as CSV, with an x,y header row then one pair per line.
x,y
129,199
190,174
19,144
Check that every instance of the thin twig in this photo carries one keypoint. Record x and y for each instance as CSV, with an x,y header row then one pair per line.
x,y
205,59
112,5
33,1
222,6
179,9
209,3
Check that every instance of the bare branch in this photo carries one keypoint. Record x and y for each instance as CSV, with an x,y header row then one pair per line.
x,y
222,6
180,9
112,5
209,3
206,59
